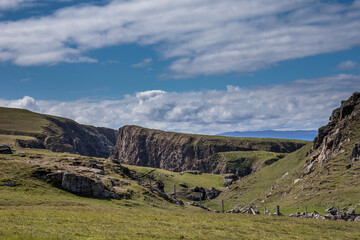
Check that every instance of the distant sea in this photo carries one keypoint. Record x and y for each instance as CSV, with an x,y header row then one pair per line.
x,y
307,135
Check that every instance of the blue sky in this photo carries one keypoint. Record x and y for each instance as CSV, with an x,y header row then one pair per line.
x,y
196,66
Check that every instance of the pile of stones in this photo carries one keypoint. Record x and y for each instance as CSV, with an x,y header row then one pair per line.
x,y
314,215
332,213
244,210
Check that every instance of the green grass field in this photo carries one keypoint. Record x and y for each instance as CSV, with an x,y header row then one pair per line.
x,y
34,209
170,179
20,121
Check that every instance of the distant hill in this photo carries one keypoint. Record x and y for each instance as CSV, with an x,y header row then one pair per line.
x,y
307,135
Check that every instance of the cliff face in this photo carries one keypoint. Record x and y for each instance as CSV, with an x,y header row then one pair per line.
x,y
181,152
64,135
340,133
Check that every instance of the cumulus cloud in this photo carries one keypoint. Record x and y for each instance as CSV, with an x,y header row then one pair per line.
x,y
200,37
301,104
348,65
26,103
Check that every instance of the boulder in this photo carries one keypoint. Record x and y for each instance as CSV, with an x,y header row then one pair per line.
x,y
357,219
229,179
196,194
5,149
331,210
212,193
355,154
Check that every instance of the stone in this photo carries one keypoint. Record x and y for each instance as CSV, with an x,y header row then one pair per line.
x,y
357,219
355,154
351,211
229,179
10,184
5,149
212,193
331,210
160,185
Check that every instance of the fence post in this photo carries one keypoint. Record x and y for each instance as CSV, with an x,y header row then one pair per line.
x,y
338,213
150,182
306,212
264,210
222,203
200,198
278,210
175,191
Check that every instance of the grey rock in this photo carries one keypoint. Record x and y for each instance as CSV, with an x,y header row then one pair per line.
x,y
212,193
357,219
331,210
229,179
5,149
355,154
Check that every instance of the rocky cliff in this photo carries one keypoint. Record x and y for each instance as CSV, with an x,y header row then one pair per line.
x,y
69,136
340,133
180,152
323,173
64,135
34,130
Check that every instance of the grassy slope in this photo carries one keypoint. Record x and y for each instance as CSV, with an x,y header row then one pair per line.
x,y
252,188
36,210
332,185
245,162
20,120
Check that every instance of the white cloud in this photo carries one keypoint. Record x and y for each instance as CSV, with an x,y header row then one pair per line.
x,y
144,63
200,37
12,4
301,104
348,65
26,103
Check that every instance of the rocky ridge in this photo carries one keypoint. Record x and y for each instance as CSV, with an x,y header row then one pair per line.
x,y
333,138
181,152
64,135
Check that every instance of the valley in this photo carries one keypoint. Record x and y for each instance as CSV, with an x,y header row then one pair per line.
x,y
63,180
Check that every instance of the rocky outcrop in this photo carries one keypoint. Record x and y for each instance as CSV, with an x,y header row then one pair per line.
x,y
85,178
5,149
181,152
333,137
64,135
229,179
197,193
82,185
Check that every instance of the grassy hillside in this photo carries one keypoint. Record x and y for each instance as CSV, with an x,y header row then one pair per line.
x,y
243,163
170,179
281,184
33,209
21,121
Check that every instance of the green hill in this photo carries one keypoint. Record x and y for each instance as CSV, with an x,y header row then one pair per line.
x,y
319,175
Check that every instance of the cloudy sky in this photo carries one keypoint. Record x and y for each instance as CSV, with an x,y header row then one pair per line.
x,y
199,66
